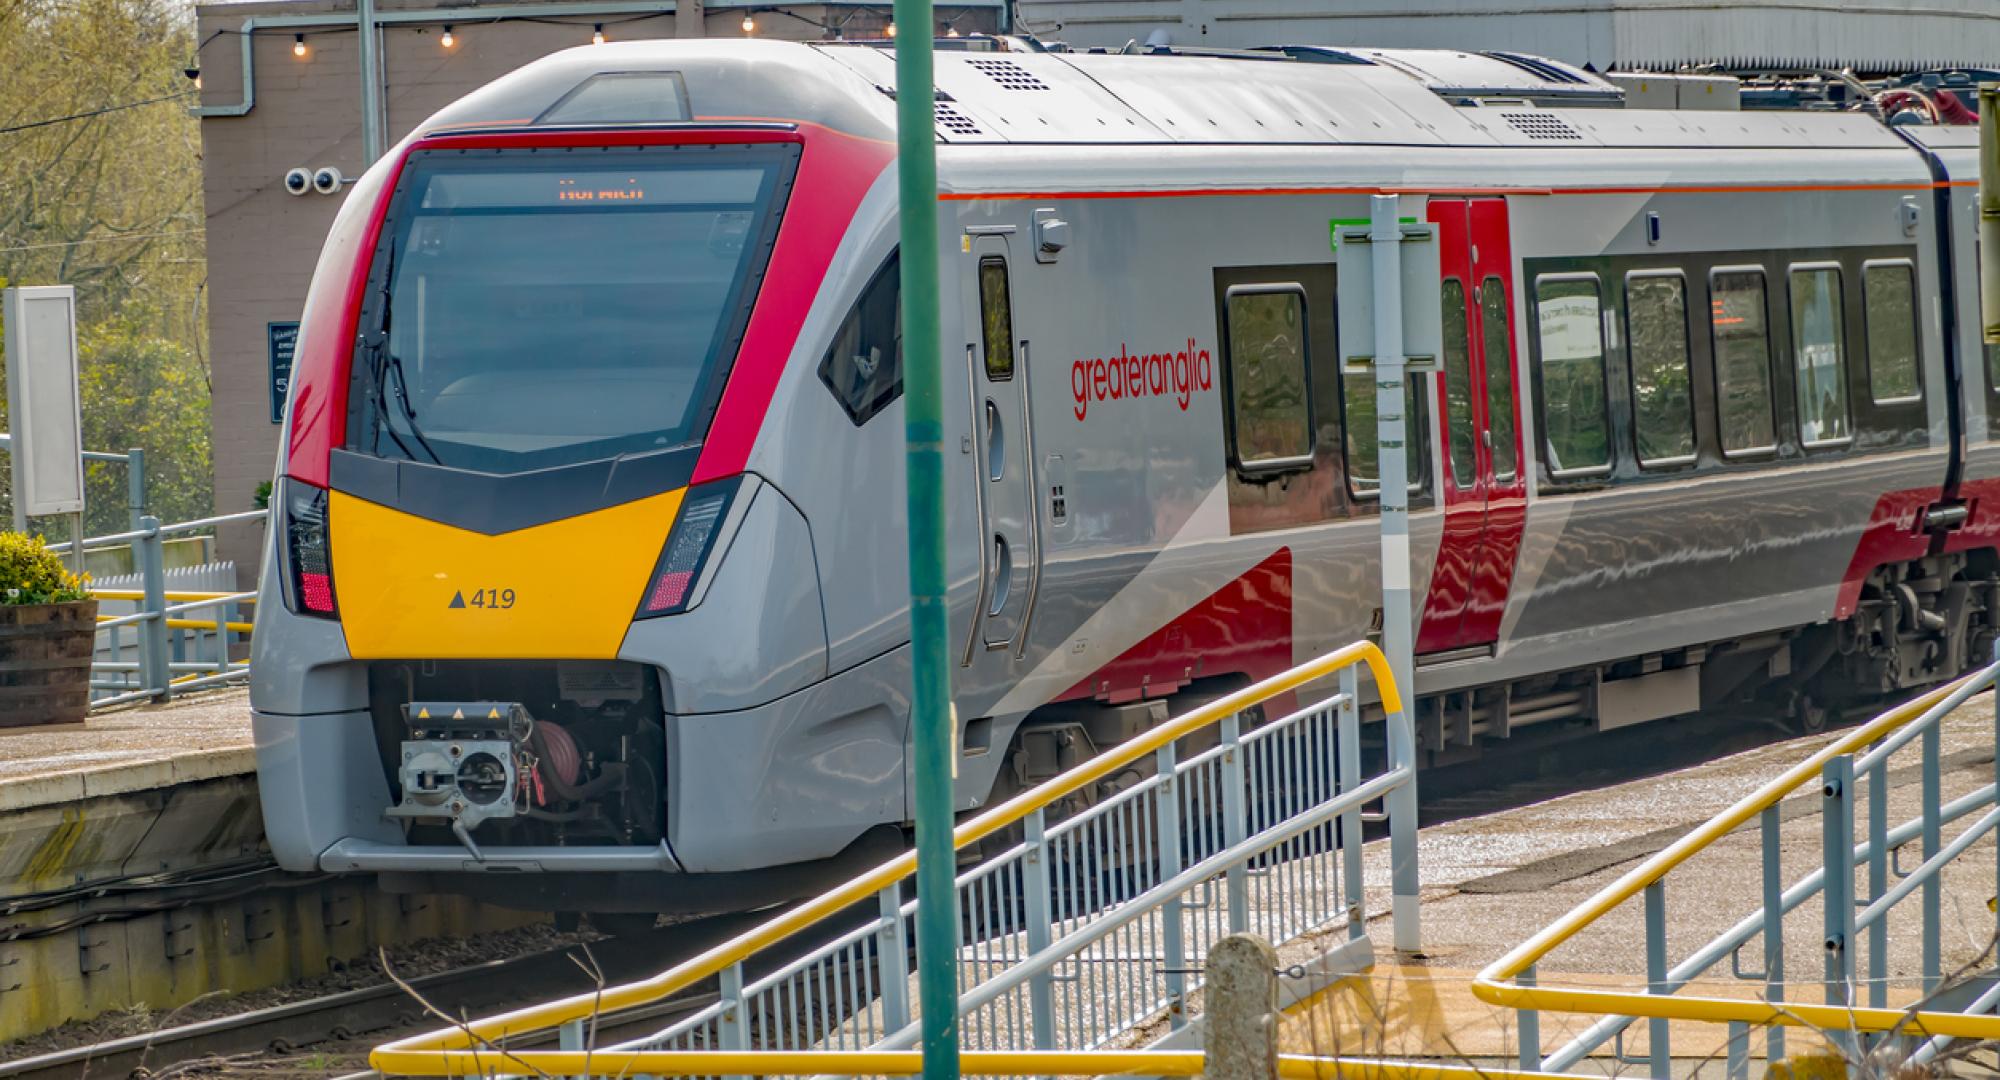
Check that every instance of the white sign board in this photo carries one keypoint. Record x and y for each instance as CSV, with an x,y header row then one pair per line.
x,y
43,410
1423,319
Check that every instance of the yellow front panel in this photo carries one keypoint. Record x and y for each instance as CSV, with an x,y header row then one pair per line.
x,y
409,588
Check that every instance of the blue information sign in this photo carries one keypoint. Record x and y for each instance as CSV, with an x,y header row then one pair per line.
x,y
284,337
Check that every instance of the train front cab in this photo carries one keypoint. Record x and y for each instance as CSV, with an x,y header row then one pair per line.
x,y
514,533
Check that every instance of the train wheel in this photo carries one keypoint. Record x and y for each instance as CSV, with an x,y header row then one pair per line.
x,y
1808,718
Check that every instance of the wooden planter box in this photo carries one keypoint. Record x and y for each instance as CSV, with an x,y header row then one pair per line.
x,y
45,652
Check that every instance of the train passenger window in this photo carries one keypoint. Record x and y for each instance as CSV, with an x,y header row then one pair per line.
x,y
1459,443
1662,397
1819,356
1742,338
1357,403
996,317
1498,353
1570,329
1889,295
864,366
1270,401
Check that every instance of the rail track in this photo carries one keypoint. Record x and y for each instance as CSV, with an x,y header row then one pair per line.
x,y
347,1017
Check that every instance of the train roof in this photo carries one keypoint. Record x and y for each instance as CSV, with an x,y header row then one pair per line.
x,y
1296,96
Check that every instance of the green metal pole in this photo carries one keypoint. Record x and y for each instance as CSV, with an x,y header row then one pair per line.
x,y
923,434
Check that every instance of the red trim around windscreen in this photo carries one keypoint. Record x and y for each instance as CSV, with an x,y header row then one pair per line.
x,y
835,172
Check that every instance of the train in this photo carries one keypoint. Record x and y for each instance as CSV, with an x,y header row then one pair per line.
x,y
586,585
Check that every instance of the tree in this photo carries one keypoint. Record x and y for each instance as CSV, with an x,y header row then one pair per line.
x,y
100,188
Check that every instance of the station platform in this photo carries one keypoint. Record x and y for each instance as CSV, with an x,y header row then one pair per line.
x,y
134,871
200,737
1491,882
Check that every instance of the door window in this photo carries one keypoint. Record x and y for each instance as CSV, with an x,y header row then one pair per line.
x,y
1270,406
1496,343
1819,356
1459,446
1570,327
1742,339
1662,405
996,318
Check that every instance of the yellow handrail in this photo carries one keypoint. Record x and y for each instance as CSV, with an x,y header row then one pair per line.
x,y
973,1062
445,1052
172,596
1494,985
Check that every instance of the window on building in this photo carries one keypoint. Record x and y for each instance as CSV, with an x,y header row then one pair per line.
x,y
1496,341
1889,292
1662,397
1570,328
1819,355
864,367
1270,407
1742,338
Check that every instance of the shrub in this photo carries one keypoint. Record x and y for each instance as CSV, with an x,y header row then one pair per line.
x,y
32,574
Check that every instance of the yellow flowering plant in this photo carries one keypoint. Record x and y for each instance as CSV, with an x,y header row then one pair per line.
x,y
32,574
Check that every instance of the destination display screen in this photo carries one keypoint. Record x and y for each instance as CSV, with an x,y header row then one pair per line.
x,y
592,188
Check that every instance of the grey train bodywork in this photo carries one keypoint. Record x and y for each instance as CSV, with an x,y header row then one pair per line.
x,y
1121,541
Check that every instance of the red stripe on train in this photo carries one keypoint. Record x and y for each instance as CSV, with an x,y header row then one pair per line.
x,y
1245,627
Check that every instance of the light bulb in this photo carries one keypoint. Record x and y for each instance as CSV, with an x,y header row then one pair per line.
x,y
951,32
447,40
197,81
597,34
298,45
749,24
891,30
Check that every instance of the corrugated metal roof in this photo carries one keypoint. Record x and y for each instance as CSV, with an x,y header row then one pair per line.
x,y
1868,35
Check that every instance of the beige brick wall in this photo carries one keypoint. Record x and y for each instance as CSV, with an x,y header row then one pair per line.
x,y
263,242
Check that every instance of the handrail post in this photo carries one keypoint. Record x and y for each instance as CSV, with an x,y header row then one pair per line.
x,y
1878,883
153,663
135,485
1173,935
1932,829
732,1027
1837,854
1738,1054
892,960
1348,747
1234,821
1402,806
1659,1051
1774,928
1528,1025
1036,880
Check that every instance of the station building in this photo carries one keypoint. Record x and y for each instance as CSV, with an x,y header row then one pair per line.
x,y
330,84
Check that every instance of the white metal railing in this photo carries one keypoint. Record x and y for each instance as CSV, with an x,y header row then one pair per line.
x,y
157,674
1088,926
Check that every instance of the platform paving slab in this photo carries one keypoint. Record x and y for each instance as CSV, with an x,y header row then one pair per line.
x,y
1492,881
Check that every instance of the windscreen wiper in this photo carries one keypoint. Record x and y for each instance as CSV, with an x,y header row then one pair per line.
x,y
381,362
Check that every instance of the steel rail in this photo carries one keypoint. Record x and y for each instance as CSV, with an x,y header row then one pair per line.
x,y
452,1047
1497,983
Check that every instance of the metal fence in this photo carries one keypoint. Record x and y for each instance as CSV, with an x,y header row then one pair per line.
x,y
161,616
1085,927
1854,1015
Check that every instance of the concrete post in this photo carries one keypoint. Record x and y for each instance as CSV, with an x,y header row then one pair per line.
x,y
690,19
1241,1033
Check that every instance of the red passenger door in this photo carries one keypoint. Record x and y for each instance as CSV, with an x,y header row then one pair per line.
x,y
1484,490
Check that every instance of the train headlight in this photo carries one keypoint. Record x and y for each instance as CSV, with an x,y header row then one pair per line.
x,y
307,552
687,548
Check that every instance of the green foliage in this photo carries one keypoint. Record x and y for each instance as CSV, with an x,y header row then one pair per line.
x,y
111,203
32,574
261,499
140,390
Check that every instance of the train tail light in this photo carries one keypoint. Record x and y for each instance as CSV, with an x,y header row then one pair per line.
x,y
306,551
688,545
